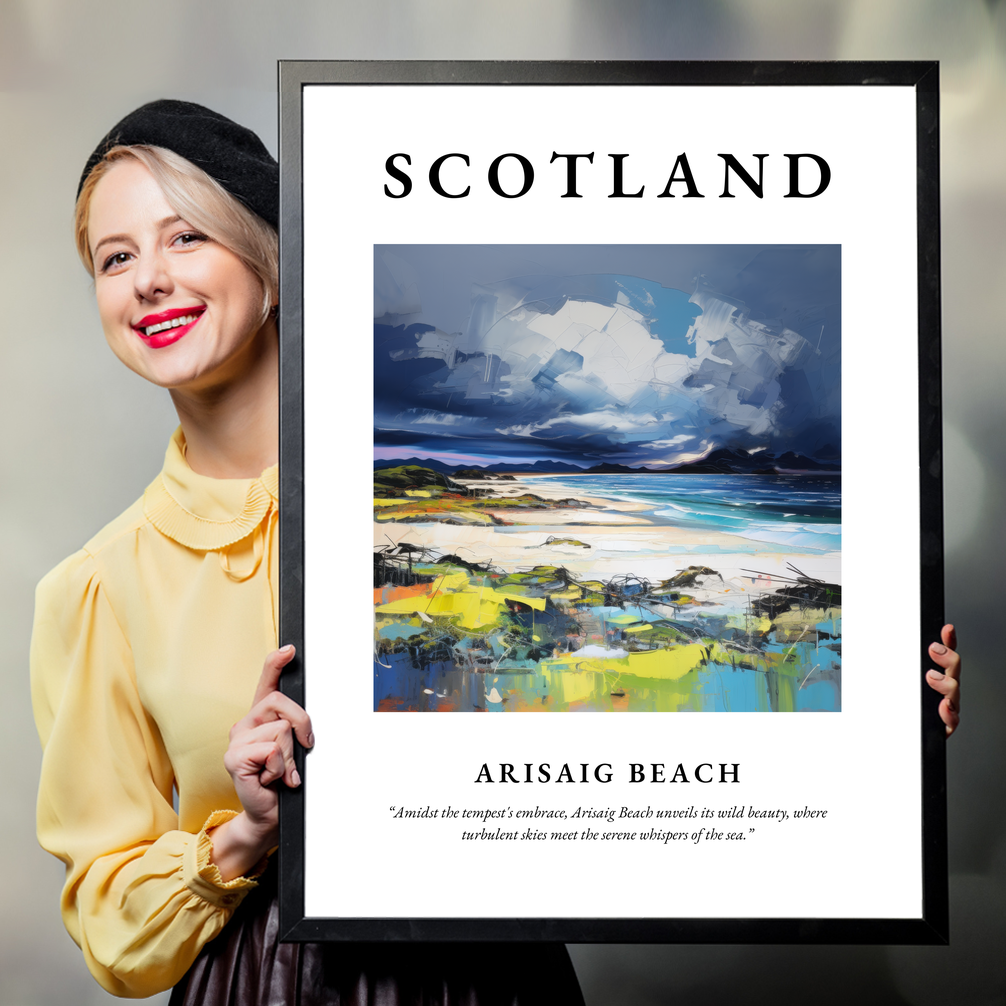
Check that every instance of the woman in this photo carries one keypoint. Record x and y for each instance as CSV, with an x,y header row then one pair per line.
x,y
149,642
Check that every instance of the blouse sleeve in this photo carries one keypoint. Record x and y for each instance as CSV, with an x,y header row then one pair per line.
x,y
141,898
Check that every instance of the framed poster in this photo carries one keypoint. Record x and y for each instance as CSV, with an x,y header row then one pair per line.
x,y
621,383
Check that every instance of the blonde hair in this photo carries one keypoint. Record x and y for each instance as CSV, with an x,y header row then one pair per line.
x,y
199,200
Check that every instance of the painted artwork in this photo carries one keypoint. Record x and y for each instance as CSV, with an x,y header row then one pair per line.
x,y
607,478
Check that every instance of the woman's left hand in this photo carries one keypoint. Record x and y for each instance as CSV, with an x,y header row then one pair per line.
x,y
948,681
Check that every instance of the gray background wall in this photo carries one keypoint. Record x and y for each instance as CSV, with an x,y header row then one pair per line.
x,y
81,436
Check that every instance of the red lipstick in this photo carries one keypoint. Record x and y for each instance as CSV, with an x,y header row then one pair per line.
x,y
166,325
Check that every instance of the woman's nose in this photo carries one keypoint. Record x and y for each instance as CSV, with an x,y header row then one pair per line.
x,y
152,277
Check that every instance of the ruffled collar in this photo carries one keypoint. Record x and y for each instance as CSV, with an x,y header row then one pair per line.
x,y
203,513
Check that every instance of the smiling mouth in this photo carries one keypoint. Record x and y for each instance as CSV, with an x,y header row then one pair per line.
x,y
185,319
167,321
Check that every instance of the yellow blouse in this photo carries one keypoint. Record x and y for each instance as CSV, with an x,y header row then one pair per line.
x,y
147,647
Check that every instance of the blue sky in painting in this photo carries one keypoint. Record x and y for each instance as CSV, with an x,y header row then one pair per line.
x,y
650,355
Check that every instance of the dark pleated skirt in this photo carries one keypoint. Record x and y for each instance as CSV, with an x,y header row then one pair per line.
x,y
246,965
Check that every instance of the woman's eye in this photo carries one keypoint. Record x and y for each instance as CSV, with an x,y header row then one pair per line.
x,y
114,261
190,238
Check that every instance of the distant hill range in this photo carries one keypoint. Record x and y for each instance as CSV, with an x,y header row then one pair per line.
x,y
541,467
723,461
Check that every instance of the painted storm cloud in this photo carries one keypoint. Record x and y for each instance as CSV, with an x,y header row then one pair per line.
x,y
607,477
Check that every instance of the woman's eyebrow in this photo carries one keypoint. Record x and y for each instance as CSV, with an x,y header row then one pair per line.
x,y
109,240
160,225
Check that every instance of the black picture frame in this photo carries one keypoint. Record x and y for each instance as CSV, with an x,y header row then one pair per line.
x,y
931,927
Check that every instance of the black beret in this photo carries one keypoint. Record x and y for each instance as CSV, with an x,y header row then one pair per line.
x,y
230,154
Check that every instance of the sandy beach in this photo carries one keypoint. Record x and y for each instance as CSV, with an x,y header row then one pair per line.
x,y
606,603
617,538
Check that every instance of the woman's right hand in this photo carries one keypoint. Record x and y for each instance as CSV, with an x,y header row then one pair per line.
x,y
259,754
